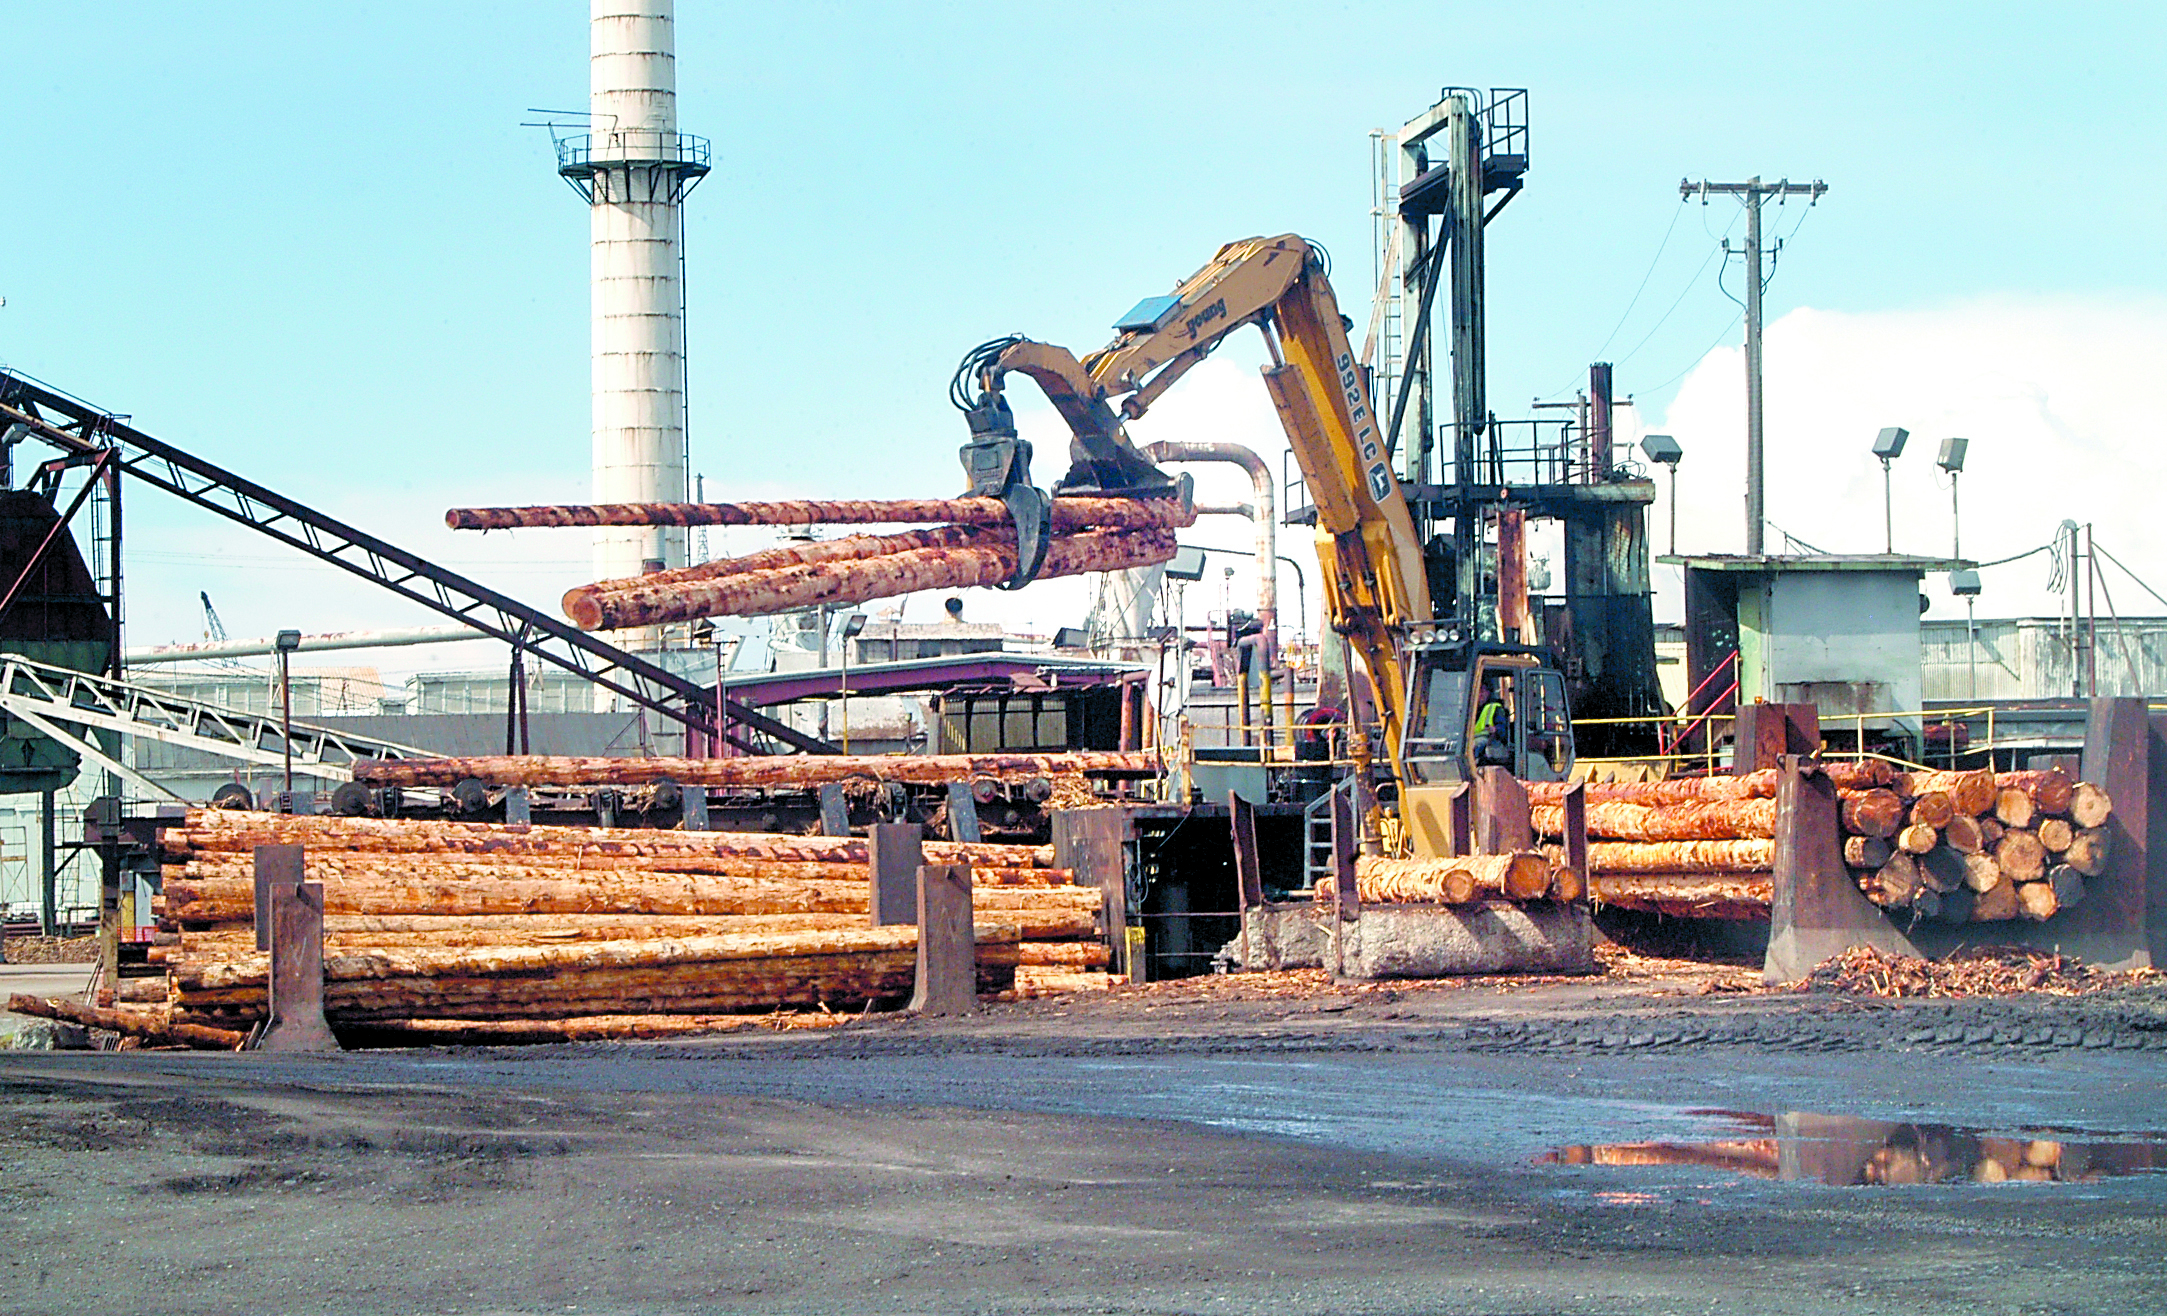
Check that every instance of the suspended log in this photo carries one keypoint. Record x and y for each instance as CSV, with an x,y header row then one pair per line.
x,y
1681,857
2050,788
1686,895
1704,820
2015,807
1872,812
2003,900
239,833
2088,850
1068,514
2021,856
1677,790
1933,808
2055,834
1860,774
990,560
1382,880
1918,838
153,1026
1962,834
2089,805
786,770
1898,880
1866,851
1971,791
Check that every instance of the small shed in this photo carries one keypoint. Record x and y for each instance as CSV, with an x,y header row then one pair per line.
x,y
1838,631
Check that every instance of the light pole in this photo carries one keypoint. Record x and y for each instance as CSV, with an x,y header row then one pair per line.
x,y
287,642
1965,585
1664,451
1888,446
1952,461
852,624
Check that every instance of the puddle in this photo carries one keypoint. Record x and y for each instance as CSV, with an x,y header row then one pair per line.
x,y
1845,1151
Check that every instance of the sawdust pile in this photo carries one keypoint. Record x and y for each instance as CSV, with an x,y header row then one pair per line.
x,y
50,950
1984,971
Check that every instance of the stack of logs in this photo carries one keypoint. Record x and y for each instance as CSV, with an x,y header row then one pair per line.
x,y
1520,876
1975,847
432,926
1956,846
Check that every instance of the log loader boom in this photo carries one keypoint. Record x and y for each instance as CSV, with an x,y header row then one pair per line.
x,y
1446,704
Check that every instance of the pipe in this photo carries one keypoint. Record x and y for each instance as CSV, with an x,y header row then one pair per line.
x,y
1264,510
329,642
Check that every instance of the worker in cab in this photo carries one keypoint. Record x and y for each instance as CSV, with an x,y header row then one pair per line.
x,y
1490,719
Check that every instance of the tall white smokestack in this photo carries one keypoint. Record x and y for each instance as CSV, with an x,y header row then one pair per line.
x,y
635,168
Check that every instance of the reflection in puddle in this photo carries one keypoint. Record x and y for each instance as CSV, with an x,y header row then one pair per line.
x,y
1844,1150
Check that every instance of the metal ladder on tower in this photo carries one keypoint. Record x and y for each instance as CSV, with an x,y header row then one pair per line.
x,y
1317,833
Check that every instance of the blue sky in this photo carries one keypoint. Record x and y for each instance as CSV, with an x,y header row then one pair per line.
x,y
314,243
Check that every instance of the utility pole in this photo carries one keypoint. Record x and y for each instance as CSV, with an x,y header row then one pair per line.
x,y
1752,192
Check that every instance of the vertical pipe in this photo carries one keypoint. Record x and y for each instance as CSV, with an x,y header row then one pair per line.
x,y
48,880
637,280
1601,413
1754,510
285,714
2091,616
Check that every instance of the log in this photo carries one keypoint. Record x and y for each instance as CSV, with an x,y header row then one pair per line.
x,y
1962,834
2049,788
2003,900
990,561
2021,856
2037,901
1521,876
152,1026
2089,805
1067,515
1972,791
1727,857
2015,807
1898,880
2089,850
1926,902
1866,851
1983,874
1918,838
364,931
2055,834
796,554
584,1028
1874,812
1942,869
1860,774
1933,808
1956,906
1701,820
1065,954
2068,885
1567,884
784,770
240,833
1990,831
375,865
1686,895
1382,880
1677,790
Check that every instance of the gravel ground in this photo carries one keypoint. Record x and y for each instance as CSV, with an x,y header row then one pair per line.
x,y
1229,1146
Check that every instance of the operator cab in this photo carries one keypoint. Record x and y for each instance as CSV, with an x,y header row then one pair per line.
x,y
1484,705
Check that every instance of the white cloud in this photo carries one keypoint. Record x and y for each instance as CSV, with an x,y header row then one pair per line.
x,y
2052,392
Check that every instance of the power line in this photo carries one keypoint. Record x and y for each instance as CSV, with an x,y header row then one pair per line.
x,y
1660,248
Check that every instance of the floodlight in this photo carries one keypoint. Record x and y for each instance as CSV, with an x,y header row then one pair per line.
x,y
288,641
1889,443
1072,637
1952,455
1661,449
1964,584
1186,564
853,624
